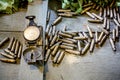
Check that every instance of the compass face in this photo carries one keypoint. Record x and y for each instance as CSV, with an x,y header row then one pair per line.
x,y
31,33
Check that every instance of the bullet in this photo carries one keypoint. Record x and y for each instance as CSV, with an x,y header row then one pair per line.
x,y
90,15
53,30
104,30
79,46
61,56
85,34
65,14
57,56
50,38
8,60
96,37
79,38
114,13
13,46
9,52
112,44
118,17
95,21
111,13
64,10
57,20
46,42
98,7
90,32
73,40
100,18
105,12
87,5
66,47
112,3
64,28
47,29
73,51
102,40
58,43
53,40
108,24
55,50
85,10
71,45
48,16
92,45
85,48
116,22
105,23
65,35
100,37
108,11
66,41
114,35
50,31
4,41
101,12
47,55
94,6
11,43
117,32
7,55
20,51
17,47
70,33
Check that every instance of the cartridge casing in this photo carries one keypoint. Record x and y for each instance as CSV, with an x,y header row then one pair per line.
x,y
4,40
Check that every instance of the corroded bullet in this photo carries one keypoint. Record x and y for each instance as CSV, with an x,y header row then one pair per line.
x,y
61,56
95,21
4,40
73,51
90,15
112,44
8,60
17,47
53,40
7,55
9,52
92,45
79,46
85,48
90,32
57,56
65,35
72,45
57,20
20,51
66,47
11,43
114,35
99,17
102,40
14,45
55,50
47,55
100,37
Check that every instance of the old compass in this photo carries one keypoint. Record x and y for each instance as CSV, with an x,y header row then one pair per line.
x,y
33,39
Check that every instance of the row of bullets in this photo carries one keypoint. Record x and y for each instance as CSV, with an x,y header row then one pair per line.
x,y
12,52
78,43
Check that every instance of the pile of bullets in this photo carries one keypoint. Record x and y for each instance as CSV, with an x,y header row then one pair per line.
x,y
12,52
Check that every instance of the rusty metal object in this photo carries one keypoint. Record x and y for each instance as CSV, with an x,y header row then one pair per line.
x,y
84,50
100,37
73,51
11,43
66,47
92,45
97,16
112,44
57,20
53,53
20,51
95,21
47,55
3,41
61,56
90,32
57,56
8,60
14,45
90,15
7,55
